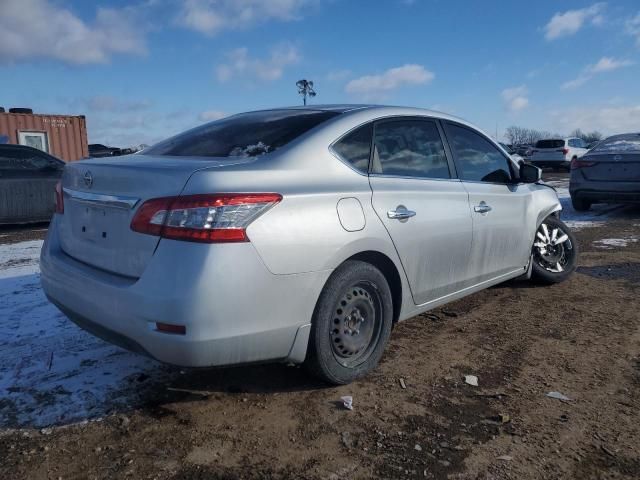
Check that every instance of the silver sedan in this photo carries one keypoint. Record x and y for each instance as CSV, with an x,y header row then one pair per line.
x,y
299,235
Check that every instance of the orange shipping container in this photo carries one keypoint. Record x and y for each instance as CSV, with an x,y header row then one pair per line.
x,y
63,136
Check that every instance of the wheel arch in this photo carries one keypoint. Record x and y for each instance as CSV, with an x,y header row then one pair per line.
x,y
383,263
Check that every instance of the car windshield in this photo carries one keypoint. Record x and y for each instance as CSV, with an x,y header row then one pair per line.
x,y
244,135
620,144
550,143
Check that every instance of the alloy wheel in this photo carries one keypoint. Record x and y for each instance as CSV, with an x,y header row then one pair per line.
x,y
552,248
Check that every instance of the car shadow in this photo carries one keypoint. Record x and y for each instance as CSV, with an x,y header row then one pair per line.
x,y
54,373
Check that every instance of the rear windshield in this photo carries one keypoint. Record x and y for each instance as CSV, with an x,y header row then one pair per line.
x,y
619,144
550,143
244,135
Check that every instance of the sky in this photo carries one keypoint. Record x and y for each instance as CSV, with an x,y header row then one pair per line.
x,y
144,70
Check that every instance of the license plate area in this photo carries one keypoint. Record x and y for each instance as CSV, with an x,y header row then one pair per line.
x,y
98,224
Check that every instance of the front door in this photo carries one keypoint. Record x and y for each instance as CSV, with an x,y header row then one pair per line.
x,y
424,209
500,208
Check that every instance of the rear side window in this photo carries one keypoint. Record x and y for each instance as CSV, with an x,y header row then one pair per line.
x,y
355,148
477,159
27,161
550,144
619,144
244,135
409,148
15,160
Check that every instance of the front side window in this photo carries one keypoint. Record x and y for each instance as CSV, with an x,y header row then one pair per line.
x,y
355,148
409,148
477,159
244,135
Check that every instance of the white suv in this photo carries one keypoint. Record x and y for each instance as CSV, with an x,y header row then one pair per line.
x,y
558,153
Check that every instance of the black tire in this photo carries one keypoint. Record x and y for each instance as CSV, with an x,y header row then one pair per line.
x,y
580,205
553,263
20,110
355,297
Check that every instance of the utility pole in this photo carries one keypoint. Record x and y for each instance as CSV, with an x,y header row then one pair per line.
x,y
305,88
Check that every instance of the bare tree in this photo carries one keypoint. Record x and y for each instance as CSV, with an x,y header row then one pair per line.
x,y
589,137
527,136
305,88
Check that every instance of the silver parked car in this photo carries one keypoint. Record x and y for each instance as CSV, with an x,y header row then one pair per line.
x,y
296,235
609,173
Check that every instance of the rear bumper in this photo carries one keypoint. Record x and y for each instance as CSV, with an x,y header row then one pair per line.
x,y
235,311
605,192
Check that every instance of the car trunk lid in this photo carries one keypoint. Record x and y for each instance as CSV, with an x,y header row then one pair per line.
x,y
101,197
612,167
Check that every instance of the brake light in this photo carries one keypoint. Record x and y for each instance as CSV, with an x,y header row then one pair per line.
x,y
575,164
59,198
215,218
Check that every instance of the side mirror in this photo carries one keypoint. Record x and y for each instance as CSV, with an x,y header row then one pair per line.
x,y
530,173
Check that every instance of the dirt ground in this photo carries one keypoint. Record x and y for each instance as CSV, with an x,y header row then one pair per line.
x,y
414,417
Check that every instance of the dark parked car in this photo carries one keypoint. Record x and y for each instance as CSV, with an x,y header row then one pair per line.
x,y
524,150
608,173
99,150
28,179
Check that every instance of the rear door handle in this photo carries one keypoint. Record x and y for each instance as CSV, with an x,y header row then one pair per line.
x,y
482,208
400,213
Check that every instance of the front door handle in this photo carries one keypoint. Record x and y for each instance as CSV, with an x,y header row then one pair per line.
x,y
401,213
482,208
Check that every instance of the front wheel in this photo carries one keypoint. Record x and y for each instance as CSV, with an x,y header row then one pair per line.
x,y
554,252
351,324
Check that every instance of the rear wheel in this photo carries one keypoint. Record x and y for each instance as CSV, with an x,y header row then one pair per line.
x,y
554,252
580,205
351,324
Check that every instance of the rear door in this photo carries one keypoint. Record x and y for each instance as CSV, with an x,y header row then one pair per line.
x,y
500,208
424,209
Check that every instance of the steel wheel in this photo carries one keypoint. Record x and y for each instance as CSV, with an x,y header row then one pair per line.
x,y
553,250
356,324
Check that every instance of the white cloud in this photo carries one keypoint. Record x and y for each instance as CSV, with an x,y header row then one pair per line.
x,y
212,16
241,64
338,75
632,27
607,119
32,29
568,23
210,115
515,99
376,85
605,64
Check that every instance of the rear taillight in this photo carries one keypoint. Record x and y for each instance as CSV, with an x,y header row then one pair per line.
x,y
564,150
575,164
215,218
59,198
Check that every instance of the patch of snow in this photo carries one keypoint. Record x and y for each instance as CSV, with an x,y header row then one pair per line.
x,y
51,371
609,243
